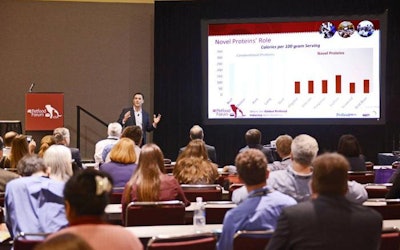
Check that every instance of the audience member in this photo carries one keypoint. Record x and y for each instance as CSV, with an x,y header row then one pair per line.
x,y
45,143
86,196
19,148
295,180
283,145
350,148
132,132
63,137
329,220
260,211
149,182
34,203
135,115
193,165
253,140
122,164
114,131
5,175
66,241
394,191
8,138
58,159
196,132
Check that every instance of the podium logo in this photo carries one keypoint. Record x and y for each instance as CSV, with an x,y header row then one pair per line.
x,y
48,111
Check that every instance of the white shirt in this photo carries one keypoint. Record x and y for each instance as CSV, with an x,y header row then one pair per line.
x,y
100,146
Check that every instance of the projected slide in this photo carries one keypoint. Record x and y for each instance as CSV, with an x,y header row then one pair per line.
x,y
315,69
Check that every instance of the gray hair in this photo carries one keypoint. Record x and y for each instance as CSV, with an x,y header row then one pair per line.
x,y
30,164
114,129
304,149
59,159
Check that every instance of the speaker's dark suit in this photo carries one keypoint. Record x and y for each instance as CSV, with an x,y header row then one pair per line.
x,y
327,223
147,124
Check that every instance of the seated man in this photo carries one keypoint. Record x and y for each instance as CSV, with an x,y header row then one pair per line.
x,y
63,137
262,208
283,144
196,132
329,220
114,130
34,203
295,180
253,140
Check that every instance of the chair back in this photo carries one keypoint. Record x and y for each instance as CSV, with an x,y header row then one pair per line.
x,y
116,195
362,177
251,240
155,213
390,239
209,192
199,241
376,191
28,241
216,210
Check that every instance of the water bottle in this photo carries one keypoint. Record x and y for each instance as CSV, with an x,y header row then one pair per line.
x,y
199,215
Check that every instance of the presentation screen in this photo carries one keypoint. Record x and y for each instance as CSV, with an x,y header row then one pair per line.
x,y
309,70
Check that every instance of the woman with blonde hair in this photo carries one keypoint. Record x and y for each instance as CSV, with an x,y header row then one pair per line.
x,y
58,158
193,166
149,182
45,143
122,164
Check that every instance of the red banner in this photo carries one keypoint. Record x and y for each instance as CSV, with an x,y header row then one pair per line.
x,y
44,111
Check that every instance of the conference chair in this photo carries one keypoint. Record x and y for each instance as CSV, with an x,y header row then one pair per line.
x,y
199,241
362,177
375,190
390,239
209,192
233,187
155,213
251,240
28,241
216,210
369,165
116,195
388,208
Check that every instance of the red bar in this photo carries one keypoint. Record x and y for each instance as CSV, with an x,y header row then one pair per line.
x,y
366,86
352,87
324,86
310,87
297,87
338,84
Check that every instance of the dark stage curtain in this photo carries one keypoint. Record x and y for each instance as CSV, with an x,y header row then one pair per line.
x,y
178,75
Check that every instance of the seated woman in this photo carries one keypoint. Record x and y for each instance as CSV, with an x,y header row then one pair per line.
x,y
58,159
350,148
193,166
149,182
122,164
86,195
19,148
45,143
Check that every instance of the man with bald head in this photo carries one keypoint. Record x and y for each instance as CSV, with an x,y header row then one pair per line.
x,y
196,132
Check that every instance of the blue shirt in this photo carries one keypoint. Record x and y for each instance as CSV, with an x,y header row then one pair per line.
x,y
34,204
120,172
260,211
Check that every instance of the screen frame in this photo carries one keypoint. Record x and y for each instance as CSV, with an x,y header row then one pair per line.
x,y
382,17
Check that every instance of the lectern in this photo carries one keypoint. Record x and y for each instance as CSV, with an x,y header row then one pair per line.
x,y
44,111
